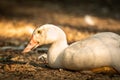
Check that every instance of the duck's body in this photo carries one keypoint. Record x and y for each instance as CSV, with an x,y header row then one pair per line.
x,y
100,50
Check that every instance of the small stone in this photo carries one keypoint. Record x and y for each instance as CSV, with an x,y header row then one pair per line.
x,y
60,70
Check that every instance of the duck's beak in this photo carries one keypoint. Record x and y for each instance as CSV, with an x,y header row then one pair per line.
x,y
31,45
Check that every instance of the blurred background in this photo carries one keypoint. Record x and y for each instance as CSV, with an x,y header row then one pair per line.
x,y
78,18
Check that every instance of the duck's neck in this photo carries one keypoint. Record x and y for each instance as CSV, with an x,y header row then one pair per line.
x,y
55,53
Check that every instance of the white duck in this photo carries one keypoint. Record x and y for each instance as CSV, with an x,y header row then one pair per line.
x,y
99,50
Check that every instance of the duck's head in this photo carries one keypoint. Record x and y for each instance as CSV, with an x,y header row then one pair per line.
x,y
45,34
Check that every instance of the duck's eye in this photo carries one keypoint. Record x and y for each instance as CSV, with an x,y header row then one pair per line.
x,y
39,32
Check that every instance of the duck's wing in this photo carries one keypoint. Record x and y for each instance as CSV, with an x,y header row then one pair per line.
x,y
112,43
95,51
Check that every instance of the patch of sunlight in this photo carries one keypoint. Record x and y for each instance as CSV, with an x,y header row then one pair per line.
x,y
16,30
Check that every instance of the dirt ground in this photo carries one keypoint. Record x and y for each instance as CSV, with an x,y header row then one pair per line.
x,y
79,21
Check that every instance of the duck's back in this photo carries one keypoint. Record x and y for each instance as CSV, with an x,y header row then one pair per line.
x,y
102,49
